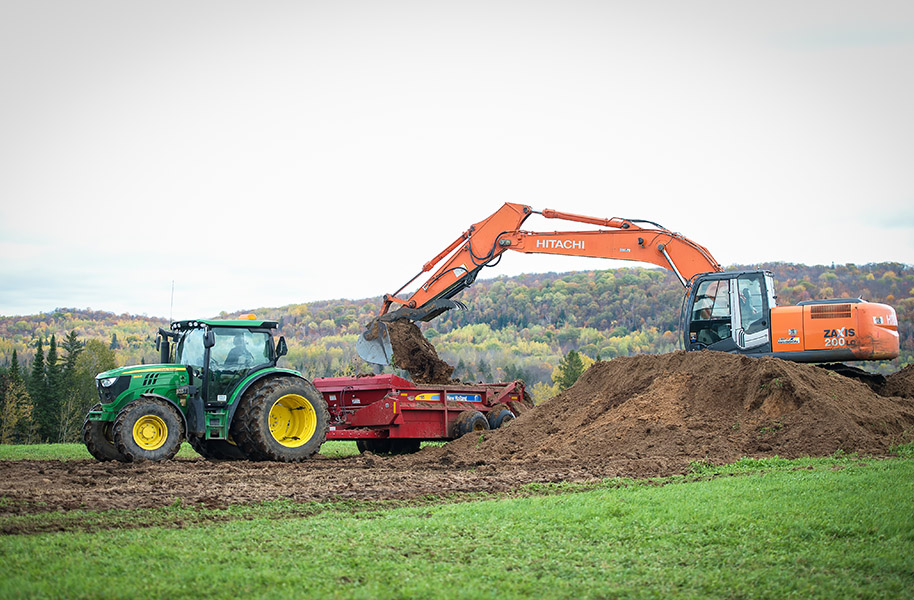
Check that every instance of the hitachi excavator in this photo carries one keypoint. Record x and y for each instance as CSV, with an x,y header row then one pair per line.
x,y
727,311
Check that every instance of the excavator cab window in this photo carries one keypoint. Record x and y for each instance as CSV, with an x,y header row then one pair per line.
x,y
711,312
751,303
730,312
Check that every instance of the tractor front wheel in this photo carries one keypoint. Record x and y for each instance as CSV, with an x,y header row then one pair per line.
x,y
98,440
148,429
281,418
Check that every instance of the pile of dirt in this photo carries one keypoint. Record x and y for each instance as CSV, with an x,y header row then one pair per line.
x,y
900,383
416,355
688,406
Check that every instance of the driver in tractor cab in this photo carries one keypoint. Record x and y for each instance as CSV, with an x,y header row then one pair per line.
x,y
239,355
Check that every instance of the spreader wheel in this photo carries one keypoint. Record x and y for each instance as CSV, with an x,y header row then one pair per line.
x,y
148,429
469,421
499,416
281,418
98,440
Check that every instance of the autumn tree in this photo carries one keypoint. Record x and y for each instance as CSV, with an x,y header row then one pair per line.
x,y
15,405
94,358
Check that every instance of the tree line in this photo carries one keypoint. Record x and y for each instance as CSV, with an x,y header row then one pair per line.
x,y
519,327
46,401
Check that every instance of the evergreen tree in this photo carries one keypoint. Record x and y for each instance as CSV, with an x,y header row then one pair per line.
x,y
38,390
569,369
70,402
14,374
54,375
114,343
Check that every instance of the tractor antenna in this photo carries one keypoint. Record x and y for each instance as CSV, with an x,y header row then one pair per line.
x,y
171,309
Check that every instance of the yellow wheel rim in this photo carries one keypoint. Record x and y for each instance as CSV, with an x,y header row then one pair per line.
x,y
292,420
150,432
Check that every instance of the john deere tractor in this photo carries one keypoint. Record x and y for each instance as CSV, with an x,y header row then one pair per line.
x,y
219,388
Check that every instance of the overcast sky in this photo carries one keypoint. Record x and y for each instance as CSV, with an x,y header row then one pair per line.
x,y
264,153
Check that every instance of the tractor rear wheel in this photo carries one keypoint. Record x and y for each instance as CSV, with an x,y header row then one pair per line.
x,y
469,421
217,449
281,418
98,441
148,429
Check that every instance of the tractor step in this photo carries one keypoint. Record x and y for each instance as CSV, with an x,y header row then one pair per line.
x,y
215,424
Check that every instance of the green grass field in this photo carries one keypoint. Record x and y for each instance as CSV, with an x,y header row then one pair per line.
x,y
839,527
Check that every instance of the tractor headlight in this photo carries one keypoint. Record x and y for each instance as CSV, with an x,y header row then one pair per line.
x,y
108,381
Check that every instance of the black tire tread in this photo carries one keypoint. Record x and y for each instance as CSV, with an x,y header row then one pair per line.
x,y
119,434
97,443
246,427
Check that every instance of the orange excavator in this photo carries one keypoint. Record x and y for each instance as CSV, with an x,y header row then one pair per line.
x,y
732,311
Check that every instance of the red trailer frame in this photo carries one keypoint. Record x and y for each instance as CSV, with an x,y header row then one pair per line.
x,y
391,407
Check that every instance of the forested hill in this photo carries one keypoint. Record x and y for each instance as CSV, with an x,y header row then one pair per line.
x,y
516,326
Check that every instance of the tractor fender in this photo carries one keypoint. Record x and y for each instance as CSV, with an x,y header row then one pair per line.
x,y
150,396
265,374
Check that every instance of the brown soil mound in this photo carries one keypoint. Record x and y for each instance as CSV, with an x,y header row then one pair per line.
x,y
416,355
900,383
698,406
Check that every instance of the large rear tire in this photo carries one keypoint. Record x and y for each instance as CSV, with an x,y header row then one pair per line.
x,y
98,440
148,429
281,418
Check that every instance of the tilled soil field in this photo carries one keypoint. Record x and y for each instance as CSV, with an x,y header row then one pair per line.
x,y
641,416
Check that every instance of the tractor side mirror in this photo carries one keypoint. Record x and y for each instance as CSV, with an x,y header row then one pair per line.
x,y
209,339
163,347
281,348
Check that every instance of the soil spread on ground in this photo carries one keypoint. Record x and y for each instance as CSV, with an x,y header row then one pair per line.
x,y
640,416
416,355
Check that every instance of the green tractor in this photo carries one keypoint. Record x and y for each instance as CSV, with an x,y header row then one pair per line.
x,y
219,388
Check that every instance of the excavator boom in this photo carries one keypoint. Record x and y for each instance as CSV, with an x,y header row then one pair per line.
x,y
456,267
730,312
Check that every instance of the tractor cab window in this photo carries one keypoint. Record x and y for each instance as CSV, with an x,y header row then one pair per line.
x,y
190,348
240,349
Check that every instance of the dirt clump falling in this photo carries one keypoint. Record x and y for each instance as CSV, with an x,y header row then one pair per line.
x,y
707,406
415,354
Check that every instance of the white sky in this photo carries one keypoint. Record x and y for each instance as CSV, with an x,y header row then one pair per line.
x,y
266,153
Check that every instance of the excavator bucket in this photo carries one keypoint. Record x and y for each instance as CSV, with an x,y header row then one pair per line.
x,y
374,344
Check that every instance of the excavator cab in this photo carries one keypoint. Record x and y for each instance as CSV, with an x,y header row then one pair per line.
x,y
730,312
737,312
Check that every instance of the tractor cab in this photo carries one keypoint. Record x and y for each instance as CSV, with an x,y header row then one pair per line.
x,y
220,354
729,312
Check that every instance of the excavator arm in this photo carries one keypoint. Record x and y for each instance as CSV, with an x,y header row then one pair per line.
x,y
456,267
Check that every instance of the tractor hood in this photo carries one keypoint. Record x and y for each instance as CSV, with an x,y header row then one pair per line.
x,y
140,370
